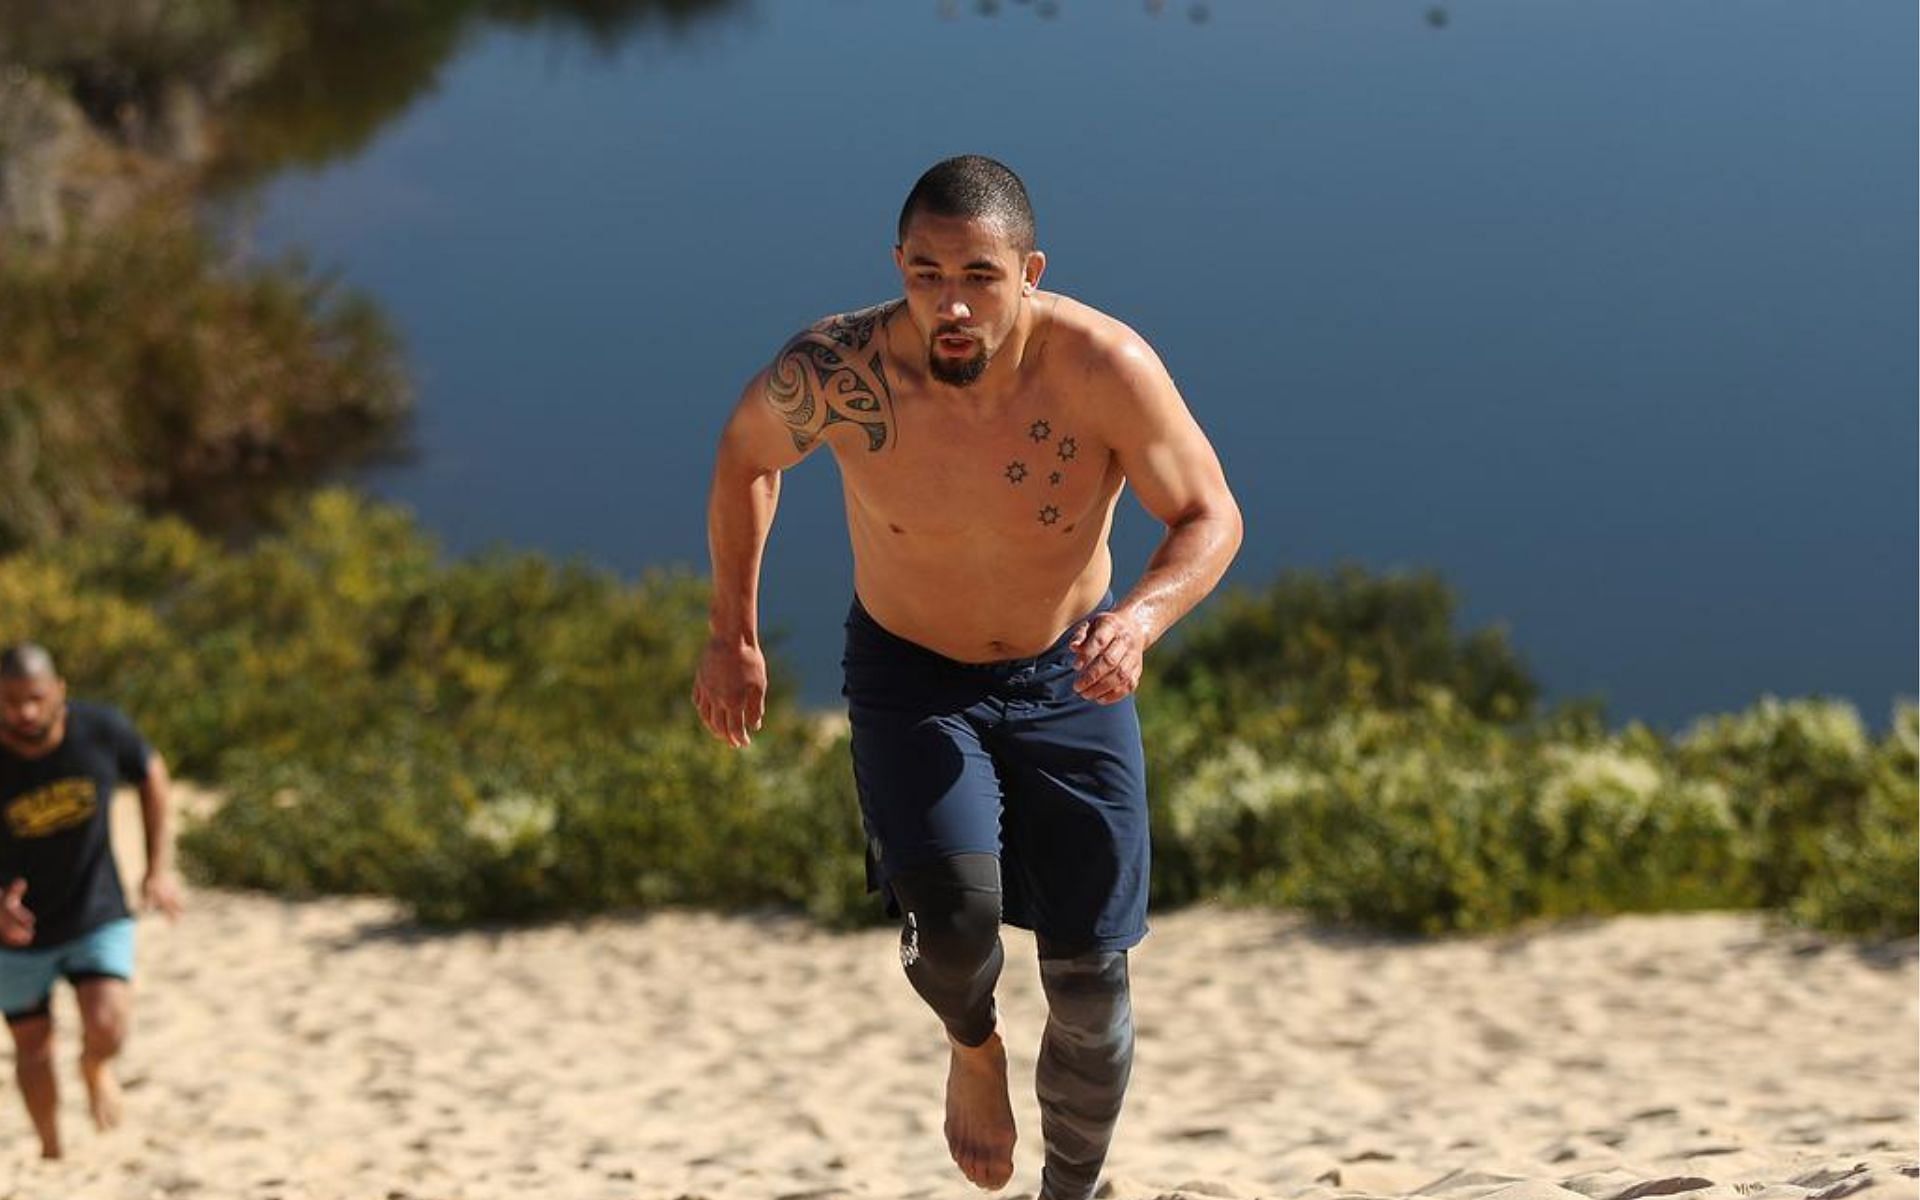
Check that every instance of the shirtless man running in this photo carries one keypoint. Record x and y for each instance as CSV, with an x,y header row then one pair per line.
x,y
983,429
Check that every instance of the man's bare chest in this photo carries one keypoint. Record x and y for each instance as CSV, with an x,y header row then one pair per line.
x,y
1036,469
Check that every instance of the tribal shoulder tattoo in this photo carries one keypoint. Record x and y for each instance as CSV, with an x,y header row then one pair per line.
x,y
834,374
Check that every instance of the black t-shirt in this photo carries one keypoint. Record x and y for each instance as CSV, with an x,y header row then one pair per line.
x,y
53,823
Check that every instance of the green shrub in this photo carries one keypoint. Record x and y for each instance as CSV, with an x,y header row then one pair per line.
x,y
1321,645
509,738
137,366
1615,829
672,818
1400,820
1792,771
1867,874
1431,820
500,737
365,820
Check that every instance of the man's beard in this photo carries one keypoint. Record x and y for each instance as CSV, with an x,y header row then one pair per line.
x,y
35,735
956,372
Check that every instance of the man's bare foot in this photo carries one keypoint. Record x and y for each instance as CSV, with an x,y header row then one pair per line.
x,y
49,1151
103,1093
980,1132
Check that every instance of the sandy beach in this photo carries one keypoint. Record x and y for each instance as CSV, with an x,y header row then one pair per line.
x,y
328,1049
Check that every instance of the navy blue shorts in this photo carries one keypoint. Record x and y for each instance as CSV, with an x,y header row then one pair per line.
x,y
1002,758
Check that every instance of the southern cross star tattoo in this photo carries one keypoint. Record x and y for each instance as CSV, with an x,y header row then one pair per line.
x,y
1049,515
1016,472
1039,431
1067,448
1055,478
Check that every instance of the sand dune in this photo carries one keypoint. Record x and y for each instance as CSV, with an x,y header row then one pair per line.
x,y
324,1049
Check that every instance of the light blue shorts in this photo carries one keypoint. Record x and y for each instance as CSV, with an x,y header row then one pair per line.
x,y
26,976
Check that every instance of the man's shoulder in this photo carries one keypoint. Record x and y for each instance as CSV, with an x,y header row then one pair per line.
x,y
834,374
845,331
1096,344
93,723
93,714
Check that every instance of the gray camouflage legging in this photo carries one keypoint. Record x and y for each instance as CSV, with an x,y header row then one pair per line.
x,y
950,946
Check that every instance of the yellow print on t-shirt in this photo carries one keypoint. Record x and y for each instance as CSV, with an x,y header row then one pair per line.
x,y
59,805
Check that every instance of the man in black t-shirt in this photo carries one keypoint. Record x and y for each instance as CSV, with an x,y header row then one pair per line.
x,y
62,910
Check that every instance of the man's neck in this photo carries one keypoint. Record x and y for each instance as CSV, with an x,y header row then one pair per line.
x,y
1004,371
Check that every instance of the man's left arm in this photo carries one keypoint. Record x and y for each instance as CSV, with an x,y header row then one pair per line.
x,y
161,887
1176,474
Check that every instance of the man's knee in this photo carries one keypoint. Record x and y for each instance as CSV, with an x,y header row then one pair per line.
x,y
951,916
104,1017
32,1038
103,1038
1088,1002
954,940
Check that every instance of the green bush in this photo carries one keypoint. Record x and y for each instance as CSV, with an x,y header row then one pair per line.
x,y
347,622
1429,821
1372,820
509,738
1867,874
137,366
497,737
366,820
672,818
1615,829
1327,644
1794,771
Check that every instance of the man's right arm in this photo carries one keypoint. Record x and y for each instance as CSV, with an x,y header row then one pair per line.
x,y
758,443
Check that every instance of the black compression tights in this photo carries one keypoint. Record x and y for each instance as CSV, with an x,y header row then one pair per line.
x,y
950,945
950,939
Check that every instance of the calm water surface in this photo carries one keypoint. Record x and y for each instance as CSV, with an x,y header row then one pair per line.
x,y
1605,310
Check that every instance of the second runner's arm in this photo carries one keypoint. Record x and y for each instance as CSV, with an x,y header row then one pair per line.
x,y
160,889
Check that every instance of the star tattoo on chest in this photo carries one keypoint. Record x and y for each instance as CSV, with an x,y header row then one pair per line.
x,y
1066,449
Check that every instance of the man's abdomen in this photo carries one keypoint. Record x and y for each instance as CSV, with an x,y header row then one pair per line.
x,y
980,610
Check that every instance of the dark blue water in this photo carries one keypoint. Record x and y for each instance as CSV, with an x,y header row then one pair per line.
x,y
1606,310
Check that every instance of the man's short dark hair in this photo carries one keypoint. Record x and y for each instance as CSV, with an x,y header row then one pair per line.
x,y
978,188
25,660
